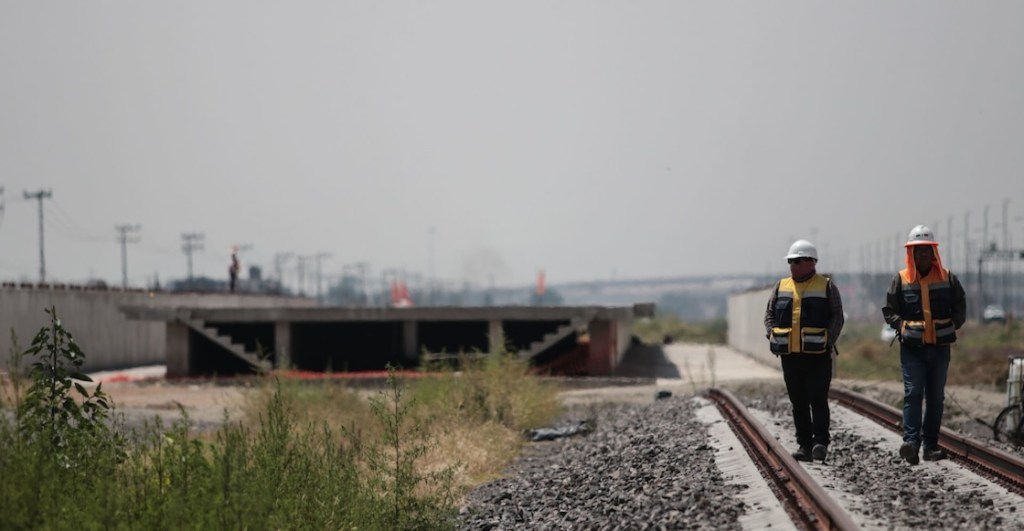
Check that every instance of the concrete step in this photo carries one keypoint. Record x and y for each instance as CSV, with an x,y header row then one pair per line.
x,y
237,349
551,338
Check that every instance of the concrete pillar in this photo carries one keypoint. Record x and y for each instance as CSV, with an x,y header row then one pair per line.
x,y
283,344
496,336
177,353
603,347
410,340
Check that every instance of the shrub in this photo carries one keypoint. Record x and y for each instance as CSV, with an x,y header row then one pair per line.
x,y
66,464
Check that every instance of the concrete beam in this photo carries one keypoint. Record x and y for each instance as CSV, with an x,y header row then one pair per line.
x,y
178,359
496,336
410,340
283,344
604,347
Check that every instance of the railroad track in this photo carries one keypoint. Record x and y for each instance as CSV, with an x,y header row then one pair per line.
x,y
808,504
991,463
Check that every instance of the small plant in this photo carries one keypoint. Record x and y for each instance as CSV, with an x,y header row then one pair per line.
x,y
61,448
15,374
64,463
48,408
414,499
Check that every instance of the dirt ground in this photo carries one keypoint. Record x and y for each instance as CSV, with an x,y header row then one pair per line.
x,y
681,369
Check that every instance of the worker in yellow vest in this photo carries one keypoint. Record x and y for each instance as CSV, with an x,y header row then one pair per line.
x,y
926,305
803,321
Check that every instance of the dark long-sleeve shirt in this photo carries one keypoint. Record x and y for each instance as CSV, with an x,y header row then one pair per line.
x,y
835,322
892,309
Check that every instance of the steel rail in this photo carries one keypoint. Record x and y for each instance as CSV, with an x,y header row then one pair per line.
x,y
993,463
806,502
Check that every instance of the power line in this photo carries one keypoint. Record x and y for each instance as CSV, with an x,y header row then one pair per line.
x,y
124,240
39,196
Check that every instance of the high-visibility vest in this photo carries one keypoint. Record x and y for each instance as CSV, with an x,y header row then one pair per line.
x,y
802,313
926,308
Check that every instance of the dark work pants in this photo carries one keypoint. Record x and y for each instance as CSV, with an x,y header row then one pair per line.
x,y
808,377
924,379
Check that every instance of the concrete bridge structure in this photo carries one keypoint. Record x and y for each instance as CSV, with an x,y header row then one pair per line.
x,y
246,339
226,333
94,317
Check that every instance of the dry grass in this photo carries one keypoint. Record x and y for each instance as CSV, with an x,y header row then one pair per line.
x,y
473,419
479,453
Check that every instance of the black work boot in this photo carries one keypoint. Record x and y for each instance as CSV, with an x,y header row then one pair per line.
x,y
934,454
802,454
819,452
909,453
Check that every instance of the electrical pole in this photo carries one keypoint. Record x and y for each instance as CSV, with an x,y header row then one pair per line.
x,y
319,257
948,237
301,271
359,269
1006,247
191,241
279,260
124,240
967,246
430,265
40,195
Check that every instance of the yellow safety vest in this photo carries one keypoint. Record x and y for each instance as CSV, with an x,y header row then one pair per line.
x,y
802,313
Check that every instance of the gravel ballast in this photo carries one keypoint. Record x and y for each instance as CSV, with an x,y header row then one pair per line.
x,y
652,466
644,467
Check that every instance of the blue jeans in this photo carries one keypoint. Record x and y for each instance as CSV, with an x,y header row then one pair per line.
x,y
924,378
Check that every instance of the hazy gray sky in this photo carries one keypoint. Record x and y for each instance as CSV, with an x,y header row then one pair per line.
x,y
588,138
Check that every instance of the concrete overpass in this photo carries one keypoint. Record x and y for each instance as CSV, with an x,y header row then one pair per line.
x,y
247,339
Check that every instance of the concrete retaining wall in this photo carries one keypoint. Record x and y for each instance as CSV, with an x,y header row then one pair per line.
x,y
108,339
745,314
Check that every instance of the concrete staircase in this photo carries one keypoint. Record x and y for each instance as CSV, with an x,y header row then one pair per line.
x,y
236,349
551,338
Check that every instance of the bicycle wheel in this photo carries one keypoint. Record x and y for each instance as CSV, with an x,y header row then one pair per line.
x,y
1007,425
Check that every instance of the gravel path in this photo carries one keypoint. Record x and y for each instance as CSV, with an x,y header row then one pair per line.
x,y
651,466
644,467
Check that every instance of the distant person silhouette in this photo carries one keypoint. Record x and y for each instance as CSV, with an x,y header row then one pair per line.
x,y
233,270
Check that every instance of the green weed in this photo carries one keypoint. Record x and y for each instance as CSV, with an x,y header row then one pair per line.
x,y
662,329
67,464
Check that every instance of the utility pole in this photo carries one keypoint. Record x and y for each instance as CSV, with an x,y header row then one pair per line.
x,y
430,265
40,195
359,270
948,237
191,241
279,260
1006,246
319,258
301,271
967,245
124,240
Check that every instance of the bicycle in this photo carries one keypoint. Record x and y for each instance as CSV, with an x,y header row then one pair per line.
x,y
1009,424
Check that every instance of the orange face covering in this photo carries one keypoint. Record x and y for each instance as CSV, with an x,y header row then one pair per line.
x,y
912,265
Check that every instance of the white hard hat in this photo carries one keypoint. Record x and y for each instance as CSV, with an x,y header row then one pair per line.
x,y
802,249
921,235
